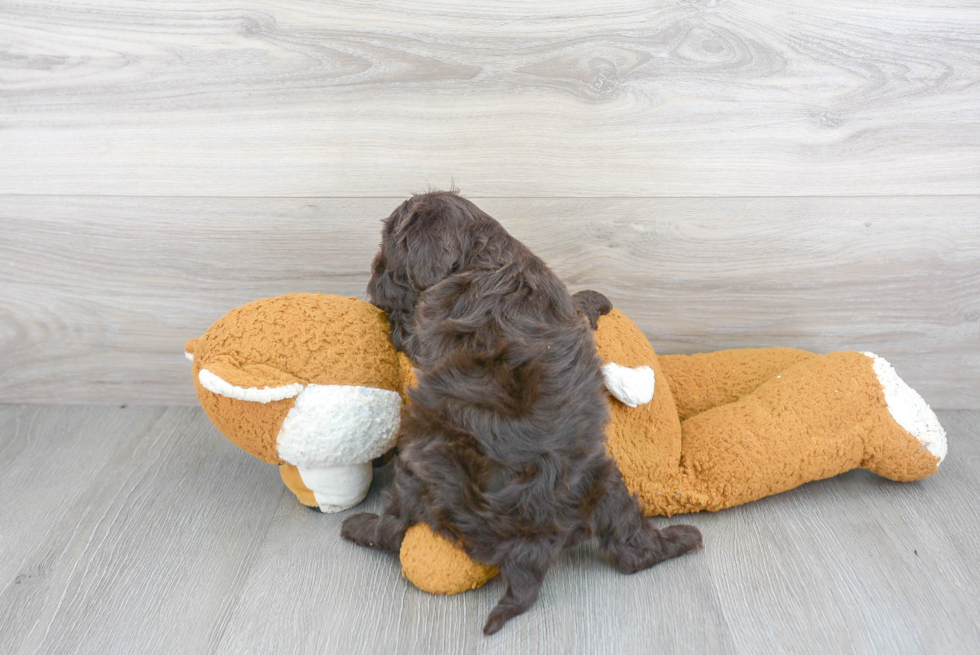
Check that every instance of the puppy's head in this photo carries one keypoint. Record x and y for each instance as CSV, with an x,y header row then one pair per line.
x,y
423,242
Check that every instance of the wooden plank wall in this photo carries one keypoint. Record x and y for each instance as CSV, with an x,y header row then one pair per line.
x,y
731,173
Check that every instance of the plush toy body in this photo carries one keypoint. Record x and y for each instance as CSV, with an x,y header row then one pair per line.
x,y
721,429
734,426
689,433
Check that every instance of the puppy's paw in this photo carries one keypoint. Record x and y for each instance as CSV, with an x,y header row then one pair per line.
x,y
685,538
657,546
362,529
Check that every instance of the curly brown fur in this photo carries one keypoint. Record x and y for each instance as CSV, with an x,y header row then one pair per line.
x,y
592,305
502,445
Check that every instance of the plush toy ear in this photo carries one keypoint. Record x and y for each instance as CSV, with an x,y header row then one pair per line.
x,y
190,348
432,249
217,384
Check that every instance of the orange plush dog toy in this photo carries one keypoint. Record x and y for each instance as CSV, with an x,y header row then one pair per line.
x,y
311,382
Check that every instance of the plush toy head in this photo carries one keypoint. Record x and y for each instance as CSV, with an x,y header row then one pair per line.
x,y
307,381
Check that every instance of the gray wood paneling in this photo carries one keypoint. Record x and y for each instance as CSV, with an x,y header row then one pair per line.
x,y
99,294
629,98
179,542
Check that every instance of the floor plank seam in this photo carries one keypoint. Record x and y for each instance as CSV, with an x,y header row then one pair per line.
x,y
96,528
215,643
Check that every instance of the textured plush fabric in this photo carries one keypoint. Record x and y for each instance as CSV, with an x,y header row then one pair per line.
x,y
645,441
909,409
700,382
755,422
819,418
631,386
253,427
766,421
435,564
337,488
331,425
306,339
294,482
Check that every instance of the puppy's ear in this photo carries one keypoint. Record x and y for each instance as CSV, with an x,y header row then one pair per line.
x,y
592,305
431,245
386,290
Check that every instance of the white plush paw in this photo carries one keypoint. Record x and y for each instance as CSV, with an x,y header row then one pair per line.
x,y
909,409
632,386
337,488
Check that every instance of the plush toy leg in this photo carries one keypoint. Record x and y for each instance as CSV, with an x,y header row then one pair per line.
x,y
331,488
820,418
646,441
435,564
888,450
294,482
707,380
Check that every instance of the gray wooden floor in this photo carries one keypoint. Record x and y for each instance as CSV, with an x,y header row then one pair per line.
x,y
140,529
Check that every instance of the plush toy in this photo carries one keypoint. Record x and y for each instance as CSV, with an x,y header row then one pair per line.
x,y
311,382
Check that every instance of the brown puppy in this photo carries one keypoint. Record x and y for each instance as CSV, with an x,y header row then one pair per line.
x,y
502,446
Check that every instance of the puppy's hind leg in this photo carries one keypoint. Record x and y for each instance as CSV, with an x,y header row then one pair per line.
x,y
387,530
523,571
630,538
